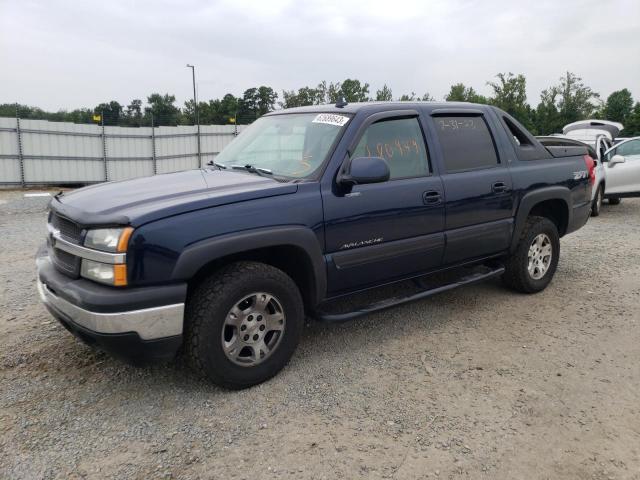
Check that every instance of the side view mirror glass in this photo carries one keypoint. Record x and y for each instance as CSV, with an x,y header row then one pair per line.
x,y
616,159
362,170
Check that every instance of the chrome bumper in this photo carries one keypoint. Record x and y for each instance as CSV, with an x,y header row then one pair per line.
x,y
148,323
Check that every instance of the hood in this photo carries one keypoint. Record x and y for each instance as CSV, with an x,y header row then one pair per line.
x,y
141,200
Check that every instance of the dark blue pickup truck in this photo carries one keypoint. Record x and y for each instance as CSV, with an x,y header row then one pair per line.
x,y
306,208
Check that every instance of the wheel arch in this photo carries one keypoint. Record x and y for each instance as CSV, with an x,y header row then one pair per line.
x,y
552,203
294,250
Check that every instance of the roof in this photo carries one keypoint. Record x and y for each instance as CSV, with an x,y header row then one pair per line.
x,y
363,106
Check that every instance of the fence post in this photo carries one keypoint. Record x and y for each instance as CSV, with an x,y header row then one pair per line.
x,y
104,150
153,147
199,153
20,155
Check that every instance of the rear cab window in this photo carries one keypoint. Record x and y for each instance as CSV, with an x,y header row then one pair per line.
x,y
466,143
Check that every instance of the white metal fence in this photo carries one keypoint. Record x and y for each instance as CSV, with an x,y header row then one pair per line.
x,y
39,152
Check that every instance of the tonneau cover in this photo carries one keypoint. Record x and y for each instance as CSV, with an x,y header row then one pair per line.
x,y
564,151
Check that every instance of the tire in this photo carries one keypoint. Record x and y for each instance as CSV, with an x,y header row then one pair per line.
x,y
596,205
517,274
234,294
614,200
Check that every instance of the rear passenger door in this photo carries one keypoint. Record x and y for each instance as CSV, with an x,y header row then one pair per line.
x,y
477,186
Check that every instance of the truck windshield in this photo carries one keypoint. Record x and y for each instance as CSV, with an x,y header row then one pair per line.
x,y
293,145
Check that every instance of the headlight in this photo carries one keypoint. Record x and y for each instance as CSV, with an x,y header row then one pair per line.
x,y
108,239
110,274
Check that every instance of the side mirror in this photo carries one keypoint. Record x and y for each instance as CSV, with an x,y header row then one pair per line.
x,y
616,159
361,170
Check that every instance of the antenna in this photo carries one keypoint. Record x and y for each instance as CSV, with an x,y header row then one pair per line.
x,y
341,103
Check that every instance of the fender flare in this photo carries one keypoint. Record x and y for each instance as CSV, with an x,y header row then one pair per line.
x,y
530,200
194,257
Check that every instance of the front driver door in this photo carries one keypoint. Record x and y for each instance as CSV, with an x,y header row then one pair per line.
x,y
390,230
624,178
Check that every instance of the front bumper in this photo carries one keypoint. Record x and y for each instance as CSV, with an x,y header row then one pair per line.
x,y
137,325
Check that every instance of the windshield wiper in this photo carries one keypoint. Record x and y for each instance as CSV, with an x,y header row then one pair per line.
x,y
220,166
263,172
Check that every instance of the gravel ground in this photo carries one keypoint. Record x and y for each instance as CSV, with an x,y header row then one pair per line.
x,y
475,383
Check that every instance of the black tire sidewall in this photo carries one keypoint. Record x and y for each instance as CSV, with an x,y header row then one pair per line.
x,y
547,227
597,202
215,363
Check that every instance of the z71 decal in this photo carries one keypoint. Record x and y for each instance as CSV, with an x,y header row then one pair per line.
x,y
580,175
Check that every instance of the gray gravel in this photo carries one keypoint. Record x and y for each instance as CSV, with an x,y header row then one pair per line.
x,y
475,383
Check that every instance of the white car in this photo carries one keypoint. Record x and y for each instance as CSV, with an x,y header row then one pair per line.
x,y
597,192
622,170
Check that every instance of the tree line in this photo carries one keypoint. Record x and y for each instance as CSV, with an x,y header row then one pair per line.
x,y
567,101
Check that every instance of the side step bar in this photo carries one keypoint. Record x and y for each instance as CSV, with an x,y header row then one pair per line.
x,y
395,301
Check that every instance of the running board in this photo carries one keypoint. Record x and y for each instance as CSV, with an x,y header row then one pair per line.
x,y
395,301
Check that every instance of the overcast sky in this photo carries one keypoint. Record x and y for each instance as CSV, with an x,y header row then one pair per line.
x,y
62,54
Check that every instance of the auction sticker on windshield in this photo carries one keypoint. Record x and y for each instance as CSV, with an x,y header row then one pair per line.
x,y
331,119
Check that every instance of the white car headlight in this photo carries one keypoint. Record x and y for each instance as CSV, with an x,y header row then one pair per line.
x,y
108,239
107,273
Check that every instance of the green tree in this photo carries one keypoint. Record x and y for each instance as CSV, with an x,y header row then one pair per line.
x,y
328,92
303,97
619,106
576,99
510,94
384,94
111,112
547,116
460,93
354,91
632,125
569,101
163,110
133,113
266,99
407,97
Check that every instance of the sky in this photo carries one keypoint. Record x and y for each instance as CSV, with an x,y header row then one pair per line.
x,y
64,54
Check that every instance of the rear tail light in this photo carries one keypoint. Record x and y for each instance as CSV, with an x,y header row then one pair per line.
x,y
591,167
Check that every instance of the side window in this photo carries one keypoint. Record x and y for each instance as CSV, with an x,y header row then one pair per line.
x,y
629,148
518,135
466,143
400,143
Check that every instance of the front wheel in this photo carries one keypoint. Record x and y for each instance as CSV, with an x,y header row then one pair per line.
x,y
243,324
596,205
534,262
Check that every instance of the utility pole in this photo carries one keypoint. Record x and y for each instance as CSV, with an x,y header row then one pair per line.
x,y
195,110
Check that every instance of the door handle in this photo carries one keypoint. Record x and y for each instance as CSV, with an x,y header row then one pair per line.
x,y
499,187
431,197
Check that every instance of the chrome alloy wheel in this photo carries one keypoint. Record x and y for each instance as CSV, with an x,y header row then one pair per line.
x,y
540,254
253,329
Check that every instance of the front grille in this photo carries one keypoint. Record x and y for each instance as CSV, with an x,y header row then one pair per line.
x,y
65,262
68,229
71,232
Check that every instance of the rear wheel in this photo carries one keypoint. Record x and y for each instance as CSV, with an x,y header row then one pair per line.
x,y
533,264
596,205
614,200
243,324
